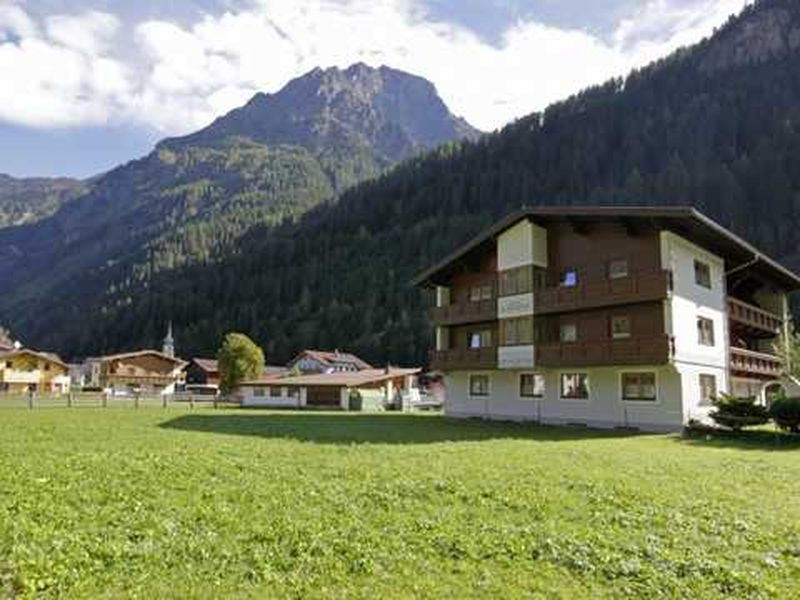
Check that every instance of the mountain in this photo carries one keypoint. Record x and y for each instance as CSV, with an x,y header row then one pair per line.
x,y
28,200
189,200
716,125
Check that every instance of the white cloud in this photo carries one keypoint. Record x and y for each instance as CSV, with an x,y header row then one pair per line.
x,y
179,78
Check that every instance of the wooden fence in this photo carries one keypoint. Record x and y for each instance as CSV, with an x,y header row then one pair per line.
x,y
100,400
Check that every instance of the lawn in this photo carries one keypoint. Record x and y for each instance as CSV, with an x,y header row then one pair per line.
x,y
205,503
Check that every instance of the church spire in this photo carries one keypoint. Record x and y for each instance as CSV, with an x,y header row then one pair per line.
x,y
169,342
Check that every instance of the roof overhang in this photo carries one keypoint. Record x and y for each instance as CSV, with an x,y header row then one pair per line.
x,y
684,221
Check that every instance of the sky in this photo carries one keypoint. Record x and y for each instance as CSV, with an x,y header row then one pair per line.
x,y
89,84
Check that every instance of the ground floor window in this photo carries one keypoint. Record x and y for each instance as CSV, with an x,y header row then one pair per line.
x,y
531,385
293,392
275,392
258,392
708,388
479,385
639,387
575,386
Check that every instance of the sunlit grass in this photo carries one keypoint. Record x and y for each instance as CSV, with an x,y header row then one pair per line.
x,y
209,503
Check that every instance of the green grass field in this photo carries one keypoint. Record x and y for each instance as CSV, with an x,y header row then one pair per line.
x,y
152,503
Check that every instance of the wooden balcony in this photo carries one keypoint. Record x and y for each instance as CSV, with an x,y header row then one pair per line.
x,y
641,287
469,312
757,365
466,358
633,351
755,321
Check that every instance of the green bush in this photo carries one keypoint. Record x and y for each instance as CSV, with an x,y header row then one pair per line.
x,y
786,414
737,412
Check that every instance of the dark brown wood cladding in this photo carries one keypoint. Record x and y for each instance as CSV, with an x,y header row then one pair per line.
x,y
463,358
756,365
467,312
636,287
633,351
646,344
591,248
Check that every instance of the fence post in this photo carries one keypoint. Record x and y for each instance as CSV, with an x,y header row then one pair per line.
x,y
30,399
104,400
191,401
136,401
69,400
163,401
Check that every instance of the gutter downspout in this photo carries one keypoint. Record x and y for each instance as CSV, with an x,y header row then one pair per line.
x,y
756,259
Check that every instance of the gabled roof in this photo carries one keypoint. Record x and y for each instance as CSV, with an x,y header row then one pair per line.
x,y
685,221
339,379
47,356
209,365
156,353
332,358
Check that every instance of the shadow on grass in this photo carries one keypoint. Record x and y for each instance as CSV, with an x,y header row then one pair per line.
x,y
759,439
333,428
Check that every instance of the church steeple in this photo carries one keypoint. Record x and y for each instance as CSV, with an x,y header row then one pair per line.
x,y
168,347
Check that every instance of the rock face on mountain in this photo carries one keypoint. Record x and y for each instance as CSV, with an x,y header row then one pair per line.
x,y
27,200
192,197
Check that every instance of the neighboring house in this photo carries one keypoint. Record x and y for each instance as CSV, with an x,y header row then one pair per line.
x,y
23,370
202,371
375,388
145,371
632,317
317,361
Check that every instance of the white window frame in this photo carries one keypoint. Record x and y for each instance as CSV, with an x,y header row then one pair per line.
x,y
488,385
561,330
620,336
704,401
534,374
707,265
700,343
561,396
625,400
615,276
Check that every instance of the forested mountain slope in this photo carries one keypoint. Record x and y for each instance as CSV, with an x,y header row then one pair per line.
x,y
189,200
30,199
716,126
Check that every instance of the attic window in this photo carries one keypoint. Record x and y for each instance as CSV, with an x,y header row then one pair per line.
x,y
702,274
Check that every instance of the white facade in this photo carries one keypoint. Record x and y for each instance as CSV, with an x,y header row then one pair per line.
x,y
604,408
276,396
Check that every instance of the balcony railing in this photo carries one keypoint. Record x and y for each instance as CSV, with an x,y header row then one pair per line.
x,y
463,358
634,351
753,318
755,364
11,376
641,287
468,312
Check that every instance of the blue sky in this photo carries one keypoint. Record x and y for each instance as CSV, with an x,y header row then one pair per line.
x,y
88,84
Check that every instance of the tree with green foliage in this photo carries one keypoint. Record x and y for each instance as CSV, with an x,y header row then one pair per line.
x,y
5,336
239,359
787,347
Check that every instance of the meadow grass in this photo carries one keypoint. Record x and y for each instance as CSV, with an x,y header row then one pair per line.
x,y
175,503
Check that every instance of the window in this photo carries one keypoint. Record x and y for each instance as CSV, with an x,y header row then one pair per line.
x,y
569,278
480,339
575,386
480,292
516,281
618,269
258,392
293,392
539,282
708,388
47,366
531,385
705,331
569,333
275,392
702,274
620,327
9,364
516,332
640,387
478,385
